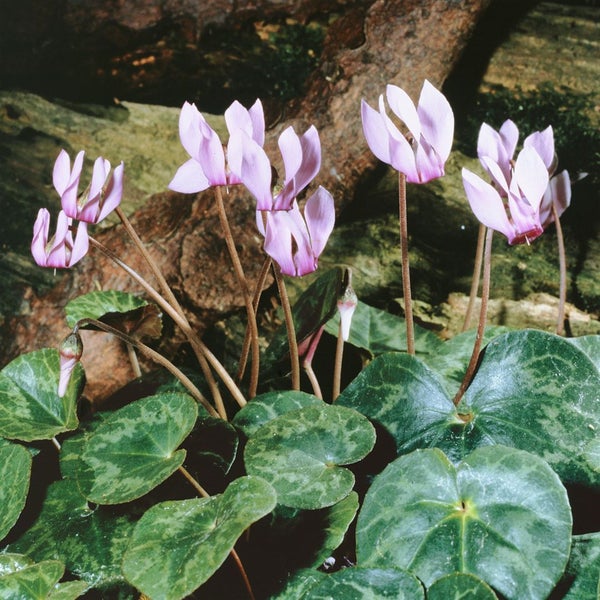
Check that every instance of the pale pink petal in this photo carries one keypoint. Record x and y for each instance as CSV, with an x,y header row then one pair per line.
x,y
80,245
319,214
376,133
41,229
311,159
437,120
211,155
189,128
66,368
486,203
258,122
496,174
61,173
403,107
189,178
404,159
543,143
68,197
531,176
278,242
428,164
250,164
509,135
291,152
113,193
525,220
99,175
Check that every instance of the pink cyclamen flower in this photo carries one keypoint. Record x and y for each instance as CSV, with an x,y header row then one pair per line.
x,y
421,154
100,198
208,164
70,352
518,218
61,250
301,158
295,241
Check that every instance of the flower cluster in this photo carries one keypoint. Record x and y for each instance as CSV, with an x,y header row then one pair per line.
x,y
95,203
293,240
523,196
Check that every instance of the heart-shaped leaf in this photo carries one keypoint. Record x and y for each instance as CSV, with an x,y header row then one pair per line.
x,y
69,590
502,515
266,407
135,448
583,571
21,578
299,584
299,453
533,391
30,408
89,541
358,583
177,546
378,331
590,346
463,586
15,471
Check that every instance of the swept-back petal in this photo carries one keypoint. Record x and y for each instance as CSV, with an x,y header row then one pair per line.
x,y
531,176
376,133
250,164
80,245
99,175
558,193
61,172
113,193
291,152
278,242
404,159
311,159
509,135
189,178
68,195
436,119
257,117
486,203
211,155
41,229
189,128
543,143
403,107
497,174
319,214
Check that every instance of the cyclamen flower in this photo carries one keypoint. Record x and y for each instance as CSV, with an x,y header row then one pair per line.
x,y
421,154
61,251
301,159
519,220
100,198
208,165
295,241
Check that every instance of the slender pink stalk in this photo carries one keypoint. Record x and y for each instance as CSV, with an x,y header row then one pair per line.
x,y
408,313
476,277
485,294
337,366
562,263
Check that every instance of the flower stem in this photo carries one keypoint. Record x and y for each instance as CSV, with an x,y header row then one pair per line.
x,y
183,323
241,278
408,313
260,283
171,298
155,356
562,262
337,367
485,294
307,363
476,277
291,330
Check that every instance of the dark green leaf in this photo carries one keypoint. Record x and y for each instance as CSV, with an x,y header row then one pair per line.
x,y
135,448
30,408
299,453
15,471
69,590
97,304
583,570
378,331
359,583
502,515
90,542
21,578
460,586
177,546
299,585
266,407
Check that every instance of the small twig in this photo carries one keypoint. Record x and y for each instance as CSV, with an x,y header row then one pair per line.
x,y
408,313
476,276
291,330
485,294
562,263
242,282
133,360
195,484
56,443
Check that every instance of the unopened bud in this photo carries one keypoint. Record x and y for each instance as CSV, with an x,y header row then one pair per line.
x,y
346,304
70,352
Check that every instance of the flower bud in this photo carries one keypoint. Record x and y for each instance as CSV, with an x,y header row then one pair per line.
x,y
70,353
346,304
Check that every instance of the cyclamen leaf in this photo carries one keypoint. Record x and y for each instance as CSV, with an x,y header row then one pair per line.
x,y
502,514
15,471
357,583
266,407
299,453
177,546
583,570
22,578
96,304
69,590
89,541
30,408
299,585
135,448
460,586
